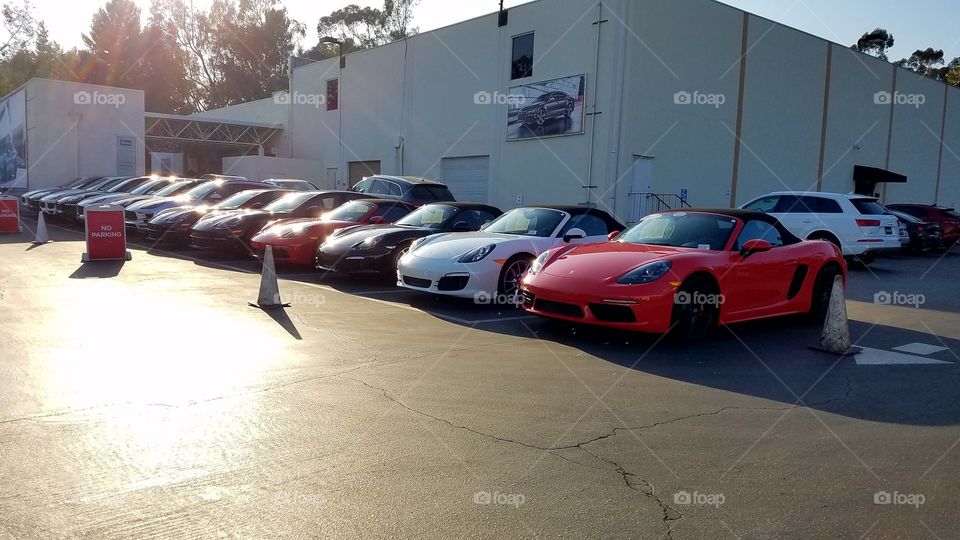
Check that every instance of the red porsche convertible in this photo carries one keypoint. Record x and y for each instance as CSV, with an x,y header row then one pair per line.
x,y
295,241
684,272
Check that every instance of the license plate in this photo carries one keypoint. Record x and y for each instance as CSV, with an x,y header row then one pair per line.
x,y
888,230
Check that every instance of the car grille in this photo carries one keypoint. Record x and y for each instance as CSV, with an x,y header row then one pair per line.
x,y
452,283
609,313
559,308
327,260
417,282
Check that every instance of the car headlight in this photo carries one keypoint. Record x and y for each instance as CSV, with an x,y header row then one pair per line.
x,y
646,273
476,255
539,262
368,242
417,243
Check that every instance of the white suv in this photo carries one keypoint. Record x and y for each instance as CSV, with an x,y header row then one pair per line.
x,y
857,224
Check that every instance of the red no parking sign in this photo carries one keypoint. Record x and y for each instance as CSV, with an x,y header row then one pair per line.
x,y
9,215
106,234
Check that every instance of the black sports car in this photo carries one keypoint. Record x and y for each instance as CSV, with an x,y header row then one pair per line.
x,y
232,231
173,224
376,248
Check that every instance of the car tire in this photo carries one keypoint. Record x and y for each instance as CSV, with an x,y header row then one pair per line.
x,y
541,117
822,290
694,320
510,275
391,271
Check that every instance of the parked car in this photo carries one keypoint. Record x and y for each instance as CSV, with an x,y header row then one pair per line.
x,y
547,107
67,206
154,185
30,201
685,272
406,188
376,248
489,263
139,214
222,177
947,218
293,184
48,204
857,224
295,241
232,231
178,186
921,236
173,225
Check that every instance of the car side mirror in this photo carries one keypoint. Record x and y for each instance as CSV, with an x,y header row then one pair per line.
x,y
574,234
257,206
375,220
216,197
613,236
461,226
755,246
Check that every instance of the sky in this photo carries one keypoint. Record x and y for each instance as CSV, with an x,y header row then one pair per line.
x,y
916,24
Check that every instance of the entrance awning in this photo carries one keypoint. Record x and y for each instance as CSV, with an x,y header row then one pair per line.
x,y
197,129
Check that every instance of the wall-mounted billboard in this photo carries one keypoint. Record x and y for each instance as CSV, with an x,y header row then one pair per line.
x,y
13,142
546,109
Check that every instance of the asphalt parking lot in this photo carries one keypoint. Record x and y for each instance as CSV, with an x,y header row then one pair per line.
x,y
146,398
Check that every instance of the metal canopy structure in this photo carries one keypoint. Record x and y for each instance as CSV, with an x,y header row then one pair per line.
x,y
197,129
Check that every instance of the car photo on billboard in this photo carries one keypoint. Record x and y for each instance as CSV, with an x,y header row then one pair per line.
x,y
546,109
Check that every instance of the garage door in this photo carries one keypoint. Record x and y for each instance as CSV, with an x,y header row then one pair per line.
x,y
467,177
358,170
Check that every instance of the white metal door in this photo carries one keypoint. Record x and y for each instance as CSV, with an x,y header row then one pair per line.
x,y
641,185
467,177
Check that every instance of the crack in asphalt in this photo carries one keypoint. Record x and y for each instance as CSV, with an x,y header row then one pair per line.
x,y
631,480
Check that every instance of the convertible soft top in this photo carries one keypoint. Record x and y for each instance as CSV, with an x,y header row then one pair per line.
x,y
745,215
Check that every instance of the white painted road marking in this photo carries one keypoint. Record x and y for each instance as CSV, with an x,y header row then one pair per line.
x,y
919,348
879,357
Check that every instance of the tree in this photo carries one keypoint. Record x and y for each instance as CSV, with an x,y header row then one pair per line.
x,y
235,52
20,27
366,27
875,43
924,62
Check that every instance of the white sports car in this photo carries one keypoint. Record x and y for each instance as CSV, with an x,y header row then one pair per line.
x,y
487,265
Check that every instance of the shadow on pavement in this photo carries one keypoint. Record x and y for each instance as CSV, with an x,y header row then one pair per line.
x,y
98,269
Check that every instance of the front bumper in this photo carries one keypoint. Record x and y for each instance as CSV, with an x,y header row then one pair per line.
x,y
449,278
301,254
217,240
650,311
163,232
355,261
137,222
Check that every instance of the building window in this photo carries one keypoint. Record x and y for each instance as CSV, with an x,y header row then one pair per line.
x,y
333,94
522,65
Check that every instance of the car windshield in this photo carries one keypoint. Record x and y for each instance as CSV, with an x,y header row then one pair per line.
x,y
527,222
175,189
126,185
432,216
431,193
203,190
299,185
868,207
682,229
236,201
351,211
290,202
149,187
110,184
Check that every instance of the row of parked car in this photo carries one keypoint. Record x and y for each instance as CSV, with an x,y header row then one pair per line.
x,y
777,255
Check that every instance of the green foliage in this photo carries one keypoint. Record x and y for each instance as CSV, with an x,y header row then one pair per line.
x,y
875,43
365,27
